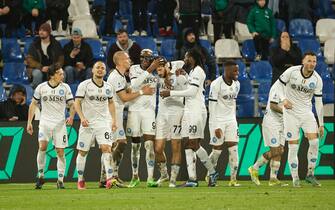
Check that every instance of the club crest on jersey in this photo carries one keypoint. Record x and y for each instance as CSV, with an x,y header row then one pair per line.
x,y
108,91
40,135
312,85
61,92
214,139
81,144
289,134
121,132
273,140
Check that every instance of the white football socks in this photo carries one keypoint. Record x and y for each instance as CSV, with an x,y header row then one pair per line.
x,y
81,162
293,160
40,163
191,164
312,155
61,165
135,157
233,161
150,158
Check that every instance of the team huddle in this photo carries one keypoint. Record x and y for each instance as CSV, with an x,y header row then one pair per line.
x,y
180,118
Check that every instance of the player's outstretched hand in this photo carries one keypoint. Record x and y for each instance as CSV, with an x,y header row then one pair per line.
x,y
218,133
30,128
147,90
287,104
114,127
69,121
180,72
164,93
321,131
84,122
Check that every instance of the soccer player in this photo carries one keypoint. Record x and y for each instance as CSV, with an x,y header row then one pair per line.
x,y
300,84
222,117
95,107
141,116
273,135
194,119
168,122
121,95
53,96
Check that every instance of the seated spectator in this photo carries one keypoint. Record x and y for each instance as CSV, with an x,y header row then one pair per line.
x,y
165,9
140,17
43,52
262,25
10,15
33,10
15,108
78,58
123,43
191,41
283,56
112,6
57,11
223,18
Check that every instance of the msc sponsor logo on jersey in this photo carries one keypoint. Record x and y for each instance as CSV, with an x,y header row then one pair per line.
x,y
150,80
229,97
301,88
98,98
53,98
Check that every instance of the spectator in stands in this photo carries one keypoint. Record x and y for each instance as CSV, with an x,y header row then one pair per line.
x,y
223,18
123,43
284,55
242,9
188,15
165,9
15,108
43,52
56,11
140,17
78,58
33,10
262,25
191,41
10,15
112,6
299,9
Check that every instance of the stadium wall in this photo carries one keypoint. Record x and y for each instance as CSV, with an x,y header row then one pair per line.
x,y
18,155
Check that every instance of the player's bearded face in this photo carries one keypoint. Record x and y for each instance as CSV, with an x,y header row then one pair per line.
x,y
309,63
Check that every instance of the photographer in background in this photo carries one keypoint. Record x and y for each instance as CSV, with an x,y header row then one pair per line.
x,y
78,58
15,108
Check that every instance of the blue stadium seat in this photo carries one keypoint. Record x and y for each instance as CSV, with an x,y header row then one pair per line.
x,y
328,91
261,71
73,87
100,3
146,42
322,69
98,51
15,73
206,44
111,41
63,42
125,8
249,50
311,45
301,28
168,48
117,25
280,25
263,92
28,41
245,106
3,96
245,88
11,51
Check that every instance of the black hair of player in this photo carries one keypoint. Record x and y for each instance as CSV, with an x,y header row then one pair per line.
x,y
310,53
229,63
53,70
197,57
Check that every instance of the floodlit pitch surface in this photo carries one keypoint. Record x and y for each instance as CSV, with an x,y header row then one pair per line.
x,y
248,196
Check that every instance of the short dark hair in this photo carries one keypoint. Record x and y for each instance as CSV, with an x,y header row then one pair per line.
x,y
121,31
311,53
53,69
229,63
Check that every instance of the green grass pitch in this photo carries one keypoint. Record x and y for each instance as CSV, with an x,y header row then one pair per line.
x,y
248,196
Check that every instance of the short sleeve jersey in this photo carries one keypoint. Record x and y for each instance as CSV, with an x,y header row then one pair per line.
x,y
53,101
300,89
95,102
118,83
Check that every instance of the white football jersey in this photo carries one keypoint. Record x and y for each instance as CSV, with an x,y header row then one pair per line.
x,y
275,96
118,83
53,101
139,78
94,102
172,103
225,95
300,89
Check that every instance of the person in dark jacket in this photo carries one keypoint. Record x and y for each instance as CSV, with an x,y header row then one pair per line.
x,y
191,41
15,107
57,11
112,6
10,15
262,25
283,56
223,18
165,9
43,52
33,10
78,59
123,43
140,17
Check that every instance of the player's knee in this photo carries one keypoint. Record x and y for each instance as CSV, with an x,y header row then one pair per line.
x,y
281,150
82,153
136,140
60,152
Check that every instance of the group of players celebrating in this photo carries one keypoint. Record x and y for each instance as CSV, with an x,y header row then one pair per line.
x,y
181,118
